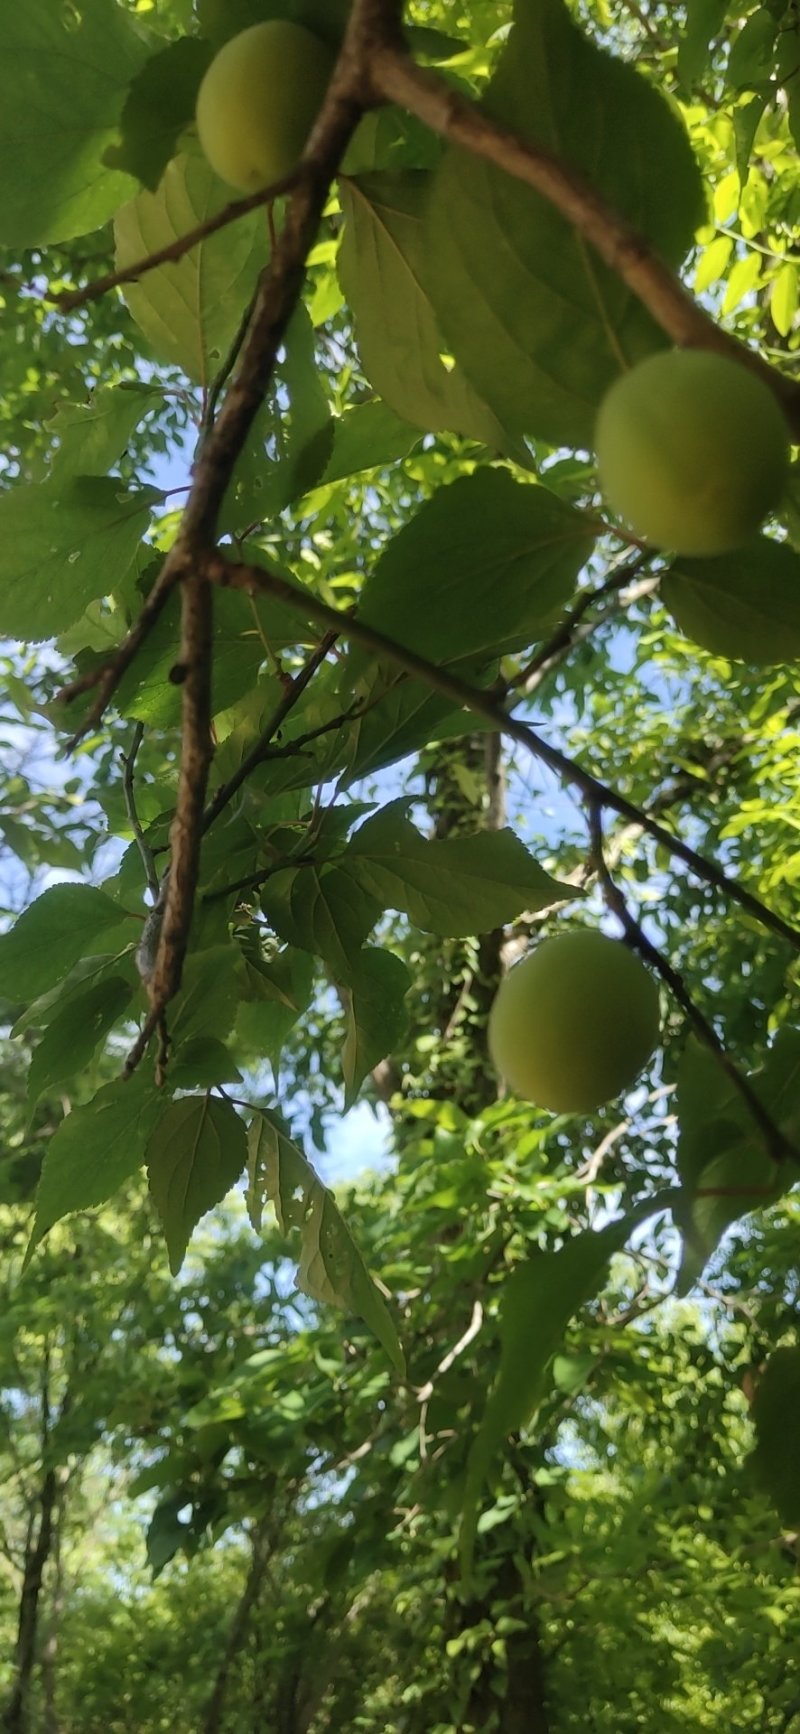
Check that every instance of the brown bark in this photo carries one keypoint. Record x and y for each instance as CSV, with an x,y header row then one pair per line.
x,y
238,1634
16,1717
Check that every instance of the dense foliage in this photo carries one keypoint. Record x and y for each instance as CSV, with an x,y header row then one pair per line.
x,y
331,683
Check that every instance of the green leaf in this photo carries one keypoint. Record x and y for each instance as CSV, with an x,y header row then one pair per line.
x,y
190,311
752,52
291,439
744,605
322,909
209,996
368,437
195,1155
202,1062
376,1019
407,717
50,936
146,691
280,991
331,1267
63,79
704,18
95,1150
456,887
92,436
166,1533
71,1040
380,265
538,1301
722,1161
539,325
776,1412
783,298
482,568
160,103
62,544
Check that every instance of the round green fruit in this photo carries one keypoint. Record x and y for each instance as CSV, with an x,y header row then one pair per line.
x,y
573,1024
258,102
692,451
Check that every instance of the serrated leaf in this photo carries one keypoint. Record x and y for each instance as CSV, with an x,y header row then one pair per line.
x,y
146,691
62,544
375,1014
195,1155
72,1039
776,1412
456,887
482,568
331,1267
744,605
380,269
538,324
280,992
209,996
63,80
202,1062
95,1150
322,909
50,936
92,436
160,103
190,311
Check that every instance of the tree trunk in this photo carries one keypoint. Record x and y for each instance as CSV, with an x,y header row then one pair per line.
x,y
238,1633
51,1724
16,1716
522,1709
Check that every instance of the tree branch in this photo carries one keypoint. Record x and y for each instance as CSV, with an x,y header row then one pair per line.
x,y
259,752
778,1146
622,248
371,23
466,697
175,250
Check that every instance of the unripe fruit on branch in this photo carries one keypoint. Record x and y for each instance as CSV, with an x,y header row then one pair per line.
x,y
574,1023
258,102
692,451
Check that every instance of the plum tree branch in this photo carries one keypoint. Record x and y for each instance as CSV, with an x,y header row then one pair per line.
x,y
371,23
71,299
254,579
455,117
778,1146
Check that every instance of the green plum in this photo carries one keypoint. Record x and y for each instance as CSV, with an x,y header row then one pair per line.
x,y
692,451
574,1023
258,102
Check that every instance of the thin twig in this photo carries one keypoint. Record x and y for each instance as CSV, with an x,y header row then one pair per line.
x,y
565,635
129,763
175,250
779,1147
259,752
622,248
465,697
